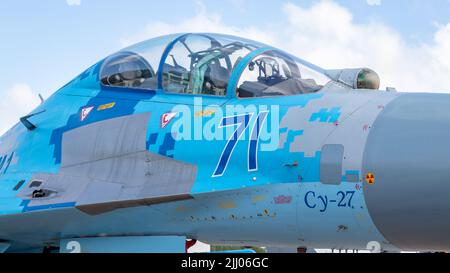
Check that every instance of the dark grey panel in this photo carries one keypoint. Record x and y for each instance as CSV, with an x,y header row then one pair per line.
x,y
106,166
408,150
106,139
331,164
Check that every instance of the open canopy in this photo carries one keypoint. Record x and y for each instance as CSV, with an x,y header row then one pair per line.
x,y
211,64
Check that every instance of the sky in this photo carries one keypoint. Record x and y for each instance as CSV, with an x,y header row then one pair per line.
x,y
46,43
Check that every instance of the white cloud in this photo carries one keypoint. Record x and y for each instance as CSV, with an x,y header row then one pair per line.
x,y
373,2
73,2
342,42
16,102
204,21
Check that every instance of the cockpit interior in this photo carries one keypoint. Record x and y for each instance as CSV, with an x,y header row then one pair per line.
x,y
210,64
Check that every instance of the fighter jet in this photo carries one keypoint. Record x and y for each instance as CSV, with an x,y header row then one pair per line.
x,y
228,141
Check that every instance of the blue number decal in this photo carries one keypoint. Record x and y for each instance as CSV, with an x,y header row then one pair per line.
x,y
254,139
341,202
344,200
4,160
351,193
242,122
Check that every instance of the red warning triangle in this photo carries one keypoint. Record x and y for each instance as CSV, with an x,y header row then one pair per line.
x,y
85,112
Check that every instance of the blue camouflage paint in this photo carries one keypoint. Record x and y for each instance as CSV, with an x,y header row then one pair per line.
x,y
168,146
325,115
125,100
152,140
27,208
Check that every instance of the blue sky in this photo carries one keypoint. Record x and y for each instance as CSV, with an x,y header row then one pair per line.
x,y
46,43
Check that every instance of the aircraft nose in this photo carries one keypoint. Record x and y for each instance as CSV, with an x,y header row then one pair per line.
x,y
408,154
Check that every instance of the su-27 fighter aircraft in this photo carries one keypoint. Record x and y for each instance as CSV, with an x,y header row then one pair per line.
x,y
228,141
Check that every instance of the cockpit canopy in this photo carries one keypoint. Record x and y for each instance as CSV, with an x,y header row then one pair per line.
x,y
211,64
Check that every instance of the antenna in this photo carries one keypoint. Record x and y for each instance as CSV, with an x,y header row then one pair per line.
x,y
41,98
30,126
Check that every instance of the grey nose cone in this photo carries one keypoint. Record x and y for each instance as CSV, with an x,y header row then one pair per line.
x,y
408,151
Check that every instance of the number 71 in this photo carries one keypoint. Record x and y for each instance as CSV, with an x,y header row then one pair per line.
x,y
242,122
